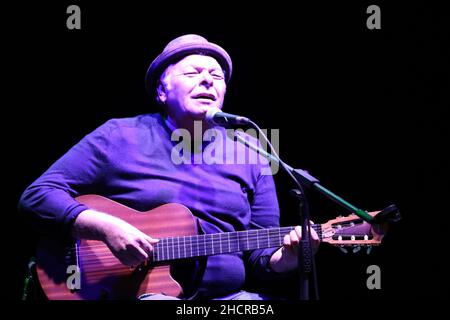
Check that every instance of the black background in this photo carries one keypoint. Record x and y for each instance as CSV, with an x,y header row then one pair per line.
x,y
362,110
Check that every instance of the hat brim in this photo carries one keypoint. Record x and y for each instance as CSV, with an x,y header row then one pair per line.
x,y
167,58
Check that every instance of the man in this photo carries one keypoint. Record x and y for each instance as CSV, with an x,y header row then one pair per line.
x,y
130,161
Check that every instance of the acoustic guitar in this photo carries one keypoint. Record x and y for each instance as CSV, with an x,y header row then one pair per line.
x,y
88,270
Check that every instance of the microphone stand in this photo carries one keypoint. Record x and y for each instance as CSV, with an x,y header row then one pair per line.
x,y
302,177
306,262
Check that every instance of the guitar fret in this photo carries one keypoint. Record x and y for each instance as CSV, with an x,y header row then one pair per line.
x,y
220,242
248,245
279,234
173,249
169,253
217,243
178,241
160,247
165,249
204,252
197,246
240,244
166,245
257,241
240,236
168,248
204,244
190,246
229,242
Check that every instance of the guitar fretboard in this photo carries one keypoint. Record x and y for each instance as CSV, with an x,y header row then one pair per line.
x,y
173,248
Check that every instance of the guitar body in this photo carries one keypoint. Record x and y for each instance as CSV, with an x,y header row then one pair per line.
x,y
101,275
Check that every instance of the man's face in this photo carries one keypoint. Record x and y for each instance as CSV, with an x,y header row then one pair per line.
x,y
192,86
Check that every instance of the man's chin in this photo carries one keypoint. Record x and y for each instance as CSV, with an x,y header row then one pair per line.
x,y
199,112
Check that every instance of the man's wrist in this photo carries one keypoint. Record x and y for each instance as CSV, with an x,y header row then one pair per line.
x,y
89,224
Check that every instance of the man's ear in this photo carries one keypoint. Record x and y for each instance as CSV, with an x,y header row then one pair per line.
x,y
161,92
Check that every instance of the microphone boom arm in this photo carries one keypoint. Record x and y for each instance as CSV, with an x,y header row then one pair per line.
x,y
309,181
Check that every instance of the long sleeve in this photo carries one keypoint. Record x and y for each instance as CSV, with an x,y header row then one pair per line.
x,y
265,214
48,203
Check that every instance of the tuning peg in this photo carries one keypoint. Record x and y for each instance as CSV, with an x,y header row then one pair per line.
x,y
369,249
356,249
342,248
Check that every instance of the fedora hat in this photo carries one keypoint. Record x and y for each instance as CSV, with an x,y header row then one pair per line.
x,y
181,47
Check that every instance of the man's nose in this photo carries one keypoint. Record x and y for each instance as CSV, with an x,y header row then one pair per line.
x,y
206,78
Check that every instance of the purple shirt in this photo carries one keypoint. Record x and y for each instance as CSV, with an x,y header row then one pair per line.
x,y
129,161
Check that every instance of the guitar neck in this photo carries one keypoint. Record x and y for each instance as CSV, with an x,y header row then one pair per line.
x,y
174,248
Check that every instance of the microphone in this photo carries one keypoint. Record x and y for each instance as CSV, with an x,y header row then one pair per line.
x,y
216,117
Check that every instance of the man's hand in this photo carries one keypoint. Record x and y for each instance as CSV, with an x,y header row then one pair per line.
x,y
127,243
286,258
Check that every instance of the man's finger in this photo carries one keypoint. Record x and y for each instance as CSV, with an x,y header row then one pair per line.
x,y
287,240
145,244
294,237
151,240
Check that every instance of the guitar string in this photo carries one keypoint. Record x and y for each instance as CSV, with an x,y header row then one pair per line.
x,y
175,250
108,257
235,235
172,248
204,243
172,251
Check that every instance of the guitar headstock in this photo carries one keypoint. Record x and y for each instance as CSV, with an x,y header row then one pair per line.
x,y
353,232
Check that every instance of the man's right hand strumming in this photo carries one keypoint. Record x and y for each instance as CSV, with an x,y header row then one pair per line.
x,y
131,246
